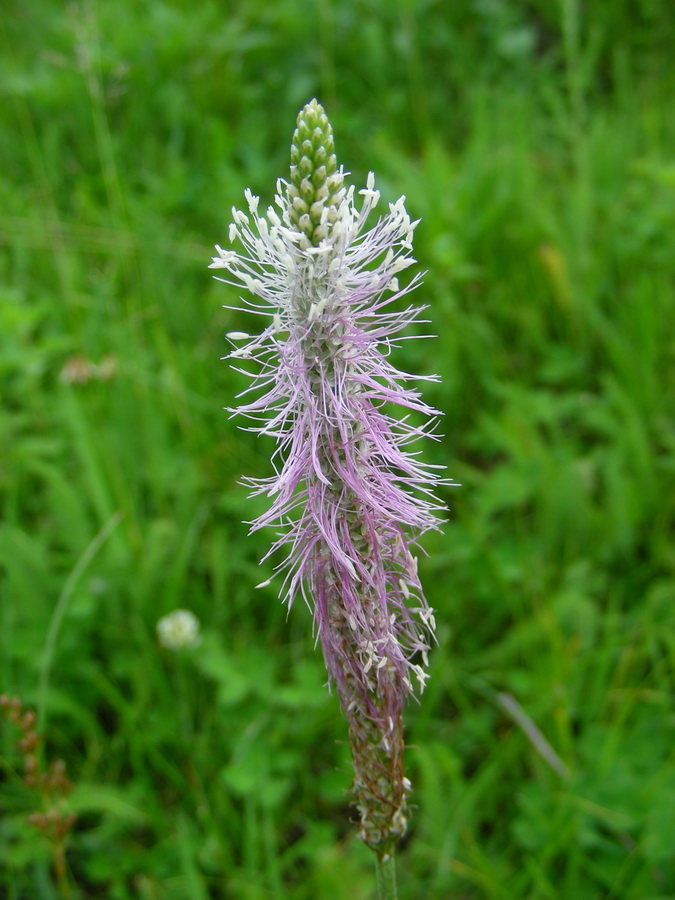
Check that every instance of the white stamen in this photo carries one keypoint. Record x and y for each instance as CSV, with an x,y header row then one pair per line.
x,y
402,263
252,201
240,353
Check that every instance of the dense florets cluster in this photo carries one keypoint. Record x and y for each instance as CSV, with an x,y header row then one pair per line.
x,y
349,496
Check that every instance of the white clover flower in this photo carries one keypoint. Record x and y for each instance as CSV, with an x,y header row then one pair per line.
x,y
178,629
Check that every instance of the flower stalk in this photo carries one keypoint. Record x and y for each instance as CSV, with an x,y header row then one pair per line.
x,y
349,496
386,878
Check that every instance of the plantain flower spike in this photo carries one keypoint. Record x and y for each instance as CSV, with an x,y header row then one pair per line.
x,y
349,496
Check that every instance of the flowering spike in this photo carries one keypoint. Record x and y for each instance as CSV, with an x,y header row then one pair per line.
x,y
349,496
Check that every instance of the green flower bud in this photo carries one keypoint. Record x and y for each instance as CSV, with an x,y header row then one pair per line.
x,y
316,183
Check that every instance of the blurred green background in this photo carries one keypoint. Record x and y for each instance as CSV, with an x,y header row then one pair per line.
x,y
536,140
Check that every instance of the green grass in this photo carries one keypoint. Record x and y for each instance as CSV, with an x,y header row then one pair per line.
x,y
536,142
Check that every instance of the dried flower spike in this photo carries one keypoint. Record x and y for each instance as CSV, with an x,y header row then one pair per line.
x,y
51,787
350,497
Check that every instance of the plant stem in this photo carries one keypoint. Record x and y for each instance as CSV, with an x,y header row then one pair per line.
x,y
60,869
386,877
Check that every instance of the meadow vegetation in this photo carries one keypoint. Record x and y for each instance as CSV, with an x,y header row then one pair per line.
x,y
536,140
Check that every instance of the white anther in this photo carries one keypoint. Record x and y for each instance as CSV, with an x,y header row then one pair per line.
x,y
254,285
240,353
252,201
402,263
